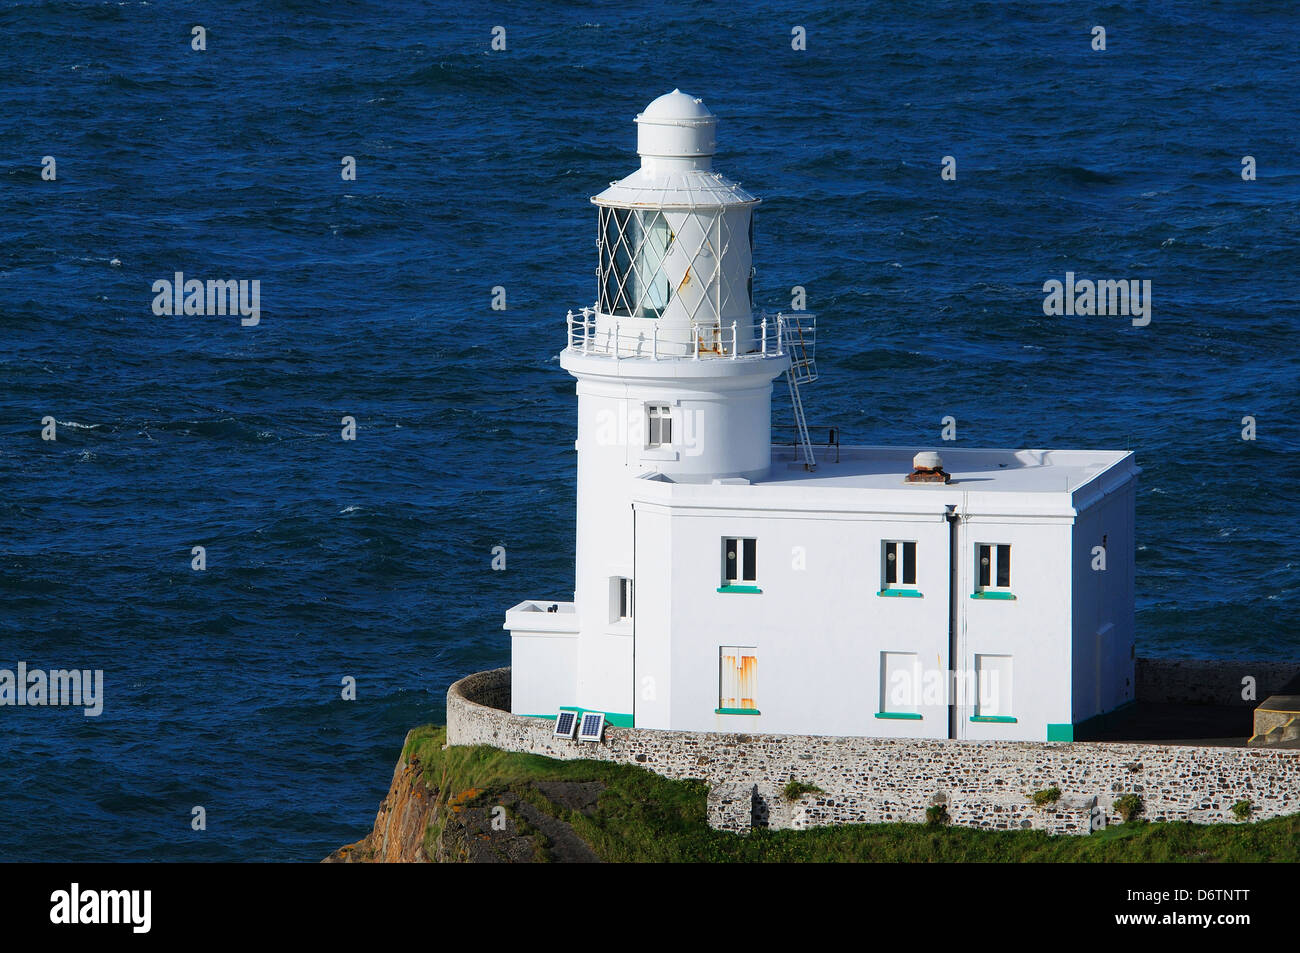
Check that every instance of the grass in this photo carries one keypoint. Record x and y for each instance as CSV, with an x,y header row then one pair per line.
x,y
797,789
644,817
1129,806
937,815
1046,796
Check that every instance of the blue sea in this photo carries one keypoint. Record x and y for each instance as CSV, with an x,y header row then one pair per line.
x,y
371,559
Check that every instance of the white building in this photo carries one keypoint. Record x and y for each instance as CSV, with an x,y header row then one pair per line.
x,y
726,584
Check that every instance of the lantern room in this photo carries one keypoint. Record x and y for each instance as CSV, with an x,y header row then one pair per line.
x,y
675,246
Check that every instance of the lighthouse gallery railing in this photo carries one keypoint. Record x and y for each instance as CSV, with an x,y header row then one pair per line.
x,y
766,336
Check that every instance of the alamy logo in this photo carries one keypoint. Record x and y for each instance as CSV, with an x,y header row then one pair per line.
x,y
213,297
678,430
76,688
915,685
1087,297
75,905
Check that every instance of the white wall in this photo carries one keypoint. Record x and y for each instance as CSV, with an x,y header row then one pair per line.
x,y
818,631
548,662
654,614
721,426
1034,628
1103,606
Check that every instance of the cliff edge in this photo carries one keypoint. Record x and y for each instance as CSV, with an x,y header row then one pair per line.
x,y
448,809
404,817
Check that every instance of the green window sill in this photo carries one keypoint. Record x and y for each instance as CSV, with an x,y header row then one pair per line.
x,y
907,715
992,594
909,593
749,589
736,711
997,719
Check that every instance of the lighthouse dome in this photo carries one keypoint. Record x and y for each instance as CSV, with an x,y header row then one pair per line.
x,y
676,137
676,125
676,105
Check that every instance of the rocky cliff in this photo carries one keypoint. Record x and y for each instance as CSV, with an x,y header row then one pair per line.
x,y
404,818
437,811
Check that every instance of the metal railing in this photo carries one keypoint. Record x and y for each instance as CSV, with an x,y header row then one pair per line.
x,y
788,435
642,338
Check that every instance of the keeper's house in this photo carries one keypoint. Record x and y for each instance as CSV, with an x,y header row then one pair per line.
x,y
723,584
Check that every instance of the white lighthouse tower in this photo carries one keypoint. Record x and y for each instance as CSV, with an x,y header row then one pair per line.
x,y
674,374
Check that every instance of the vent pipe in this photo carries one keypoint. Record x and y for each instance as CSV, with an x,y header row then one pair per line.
x,y
927,467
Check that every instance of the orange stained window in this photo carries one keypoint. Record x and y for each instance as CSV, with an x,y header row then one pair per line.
x,y
739,678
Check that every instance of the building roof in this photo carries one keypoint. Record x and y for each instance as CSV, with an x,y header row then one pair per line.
x,y
674,189
987,481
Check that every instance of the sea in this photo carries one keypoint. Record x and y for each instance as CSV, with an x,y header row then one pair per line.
x,y
253,710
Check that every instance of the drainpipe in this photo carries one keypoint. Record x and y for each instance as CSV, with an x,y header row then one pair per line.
x,y
954,564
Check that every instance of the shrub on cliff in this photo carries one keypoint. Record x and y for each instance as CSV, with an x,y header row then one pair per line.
x,y
1129,806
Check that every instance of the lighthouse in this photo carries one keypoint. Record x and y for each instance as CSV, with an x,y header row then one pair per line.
x,y
674,373
724,583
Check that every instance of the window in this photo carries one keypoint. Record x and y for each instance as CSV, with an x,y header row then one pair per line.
x,y
900,685
659,426
739,565
993,571
620,598
737,680
633,249
624,598
993,688
898,562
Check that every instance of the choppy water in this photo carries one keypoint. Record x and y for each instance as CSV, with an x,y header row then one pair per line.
x,y
370,559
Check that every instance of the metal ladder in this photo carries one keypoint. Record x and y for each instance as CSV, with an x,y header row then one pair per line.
x,y
802,370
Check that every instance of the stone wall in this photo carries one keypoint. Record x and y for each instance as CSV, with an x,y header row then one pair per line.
x,y
1210,681
867,780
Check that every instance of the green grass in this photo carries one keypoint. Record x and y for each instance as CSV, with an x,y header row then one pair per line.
x,y
797,789
644,817
1046,796
1129,806
937,815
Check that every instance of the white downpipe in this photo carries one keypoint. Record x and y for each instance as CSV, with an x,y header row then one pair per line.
x,y
734,339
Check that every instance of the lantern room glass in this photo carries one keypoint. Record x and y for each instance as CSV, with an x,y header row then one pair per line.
x,y
634,247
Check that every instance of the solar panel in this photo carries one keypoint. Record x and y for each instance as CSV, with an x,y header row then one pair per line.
x,y
593,722
566,722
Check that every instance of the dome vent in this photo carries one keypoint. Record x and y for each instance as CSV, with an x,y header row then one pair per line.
x,y
927,467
